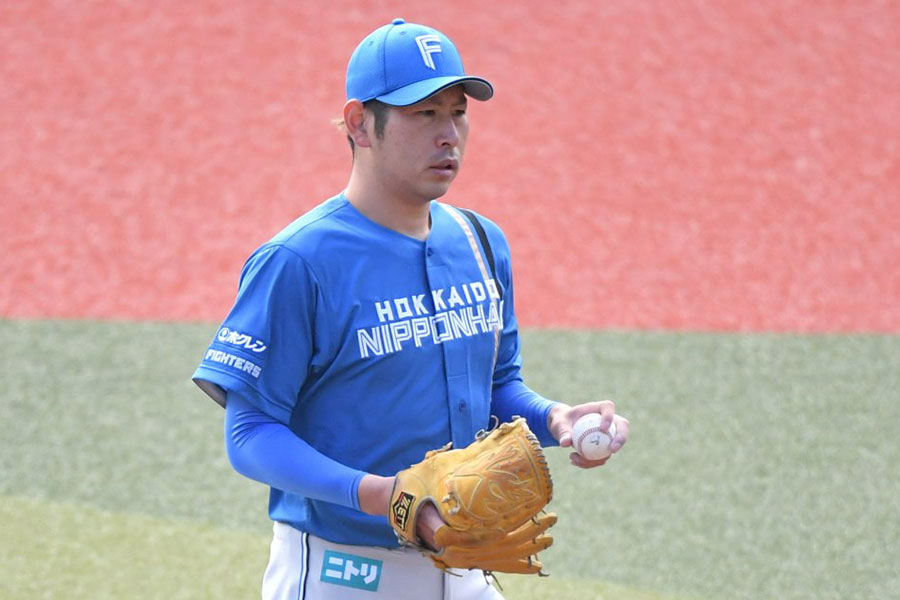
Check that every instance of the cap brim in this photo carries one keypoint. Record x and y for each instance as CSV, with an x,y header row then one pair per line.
x,y
476,87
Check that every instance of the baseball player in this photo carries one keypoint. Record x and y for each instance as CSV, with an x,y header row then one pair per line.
x,y
373,329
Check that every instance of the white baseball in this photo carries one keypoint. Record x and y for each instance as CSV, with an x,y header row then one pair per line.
x,y
588,440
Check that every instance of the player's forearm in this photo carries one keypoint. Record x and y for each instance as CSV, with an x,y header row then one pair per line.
x,y
514,398
265,450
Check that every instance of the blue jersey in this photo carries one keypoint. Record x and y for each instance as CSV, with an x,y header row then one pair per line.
x,y
371,346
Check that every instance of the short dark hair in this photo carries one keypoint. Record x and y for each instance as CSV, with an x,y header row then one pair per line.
x,y
379,110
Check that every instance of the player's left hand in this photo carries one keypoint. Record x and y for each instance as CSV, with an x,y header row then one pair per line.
x,y
562,418
489,500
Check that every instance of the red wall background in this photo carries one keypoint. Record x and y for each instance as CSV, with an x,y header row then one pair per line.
x,y
659,164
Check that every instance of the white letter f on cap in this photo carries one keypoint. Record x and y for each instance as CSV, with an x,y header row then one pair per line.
x,y
428,45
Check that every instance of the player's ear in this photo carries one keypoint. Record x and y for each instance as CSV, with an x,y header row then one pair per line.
x,y
359,123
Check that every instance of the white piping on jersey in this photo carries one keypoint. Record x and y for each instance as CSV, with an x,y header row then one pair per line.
x,y
476,251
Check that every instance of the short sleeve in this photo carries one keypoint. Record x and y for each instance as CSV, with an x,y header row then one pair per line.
x,y
264,347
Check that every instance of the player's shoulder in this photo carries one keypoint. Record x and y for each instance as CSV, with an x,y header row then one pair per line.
x,y
307,232
309,236
300,241
491,228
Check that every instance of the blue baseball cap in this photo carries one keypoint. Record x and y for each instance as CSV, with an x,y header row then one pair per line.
x,y
403,63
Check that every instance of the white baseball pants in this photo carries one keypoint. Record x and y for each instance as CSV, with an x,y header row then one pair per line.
x,y
305,567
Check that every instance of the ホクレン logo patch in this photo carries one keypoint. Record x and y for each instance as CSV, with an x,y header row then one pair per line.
x,y
349,570
241,340
401,507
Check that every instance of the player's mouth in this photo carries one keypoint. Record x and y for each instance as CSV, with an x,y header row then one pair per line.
x,y
446,167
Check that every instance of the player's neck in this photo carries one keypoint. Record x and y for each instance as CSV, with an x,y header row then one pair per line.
x,y
409,216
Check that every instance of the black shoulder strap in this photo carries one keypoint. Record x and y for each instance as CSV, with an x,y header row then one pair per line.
x,y
485,244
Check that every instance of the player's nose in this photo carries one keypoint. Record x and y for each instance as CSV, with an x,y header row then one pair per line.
x,y
448,134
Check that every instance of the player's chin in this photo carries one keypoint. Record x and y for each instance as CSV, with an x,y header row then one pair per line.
x,y
436,176
436,189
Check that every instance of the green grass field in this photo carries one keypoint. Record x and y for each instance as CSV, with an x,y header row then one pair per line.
x,y
759,466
